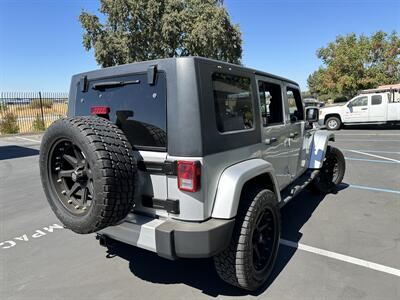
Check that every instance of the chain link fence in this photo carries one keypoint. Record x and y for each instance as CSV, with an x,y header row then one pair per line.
x,y
26,112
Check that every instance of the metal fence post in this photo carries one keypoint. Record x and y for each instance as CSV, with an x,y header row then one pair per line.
x,y
41,109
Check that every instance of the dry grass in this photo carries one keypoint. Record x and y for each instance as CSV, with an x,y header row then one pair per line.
x,y
26,114
29,111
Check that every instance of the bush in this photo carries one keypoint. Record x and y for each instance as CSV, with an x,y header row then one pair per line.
x,y
47,103
3,107
9,123
38,124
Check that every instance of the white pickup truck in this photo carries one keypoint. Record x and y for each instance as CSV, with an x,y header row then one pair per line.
x,y
364,109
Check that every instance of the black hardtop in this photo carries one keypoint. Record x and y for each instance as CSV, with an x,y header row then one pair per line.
x,y
164,62
187,92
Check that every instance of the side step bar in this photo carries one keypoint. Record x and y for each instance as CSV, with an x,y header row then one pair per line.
x,y
297,186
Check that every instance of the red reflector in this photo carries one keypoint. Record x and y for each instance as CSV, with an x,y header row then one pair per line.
x,y
99,110
188,175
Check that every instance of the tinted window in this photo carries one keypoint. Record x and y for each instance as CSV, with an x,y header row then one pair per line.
x,y
270,103
360,101
376,99
295,104
233,102
138,108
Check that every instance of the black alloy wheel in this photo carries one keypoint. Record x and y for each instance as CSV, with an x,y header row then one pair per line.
x,y
263,241
71,177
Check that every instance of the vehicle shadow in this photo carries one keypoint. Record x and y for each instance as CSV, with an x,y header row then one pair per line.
x,y
200,273
9,152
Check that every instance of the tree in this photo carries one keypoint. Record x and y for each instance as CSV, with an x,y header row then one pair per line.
x,y
352,63
137,30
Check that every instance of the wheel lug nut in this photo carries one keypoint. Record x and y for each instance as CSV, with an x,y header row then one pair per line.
x,y
63,192
77,207
69,201
84,208
59,180
58,169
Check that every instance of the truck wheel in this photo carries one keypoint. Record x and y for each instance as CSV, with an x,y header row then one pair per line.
x,y
333,123
251,255
331,173
88,173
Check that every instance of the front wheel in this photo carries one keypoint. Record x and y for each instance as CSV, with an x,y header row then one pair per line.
x,y
331,173
333,123
251,255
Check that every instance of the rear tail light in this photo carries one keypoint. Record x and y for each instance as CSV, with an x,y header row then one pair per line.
x,y
188,175
99,110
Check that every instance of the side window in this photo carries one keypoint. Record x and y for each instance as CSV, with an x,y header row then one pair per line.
x,y
360,101
376,99
270,103
295,104
233,102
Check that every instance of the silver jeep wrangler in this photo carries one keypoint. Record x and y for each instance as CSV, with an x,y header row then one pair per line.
x,y
187,157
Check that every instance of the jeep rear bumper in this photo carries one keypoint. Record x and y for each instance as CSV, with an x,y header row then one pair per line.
x,y
172,238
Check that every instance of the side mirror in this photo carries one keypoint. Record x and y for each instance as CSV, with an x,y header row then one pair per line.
x,y
312,114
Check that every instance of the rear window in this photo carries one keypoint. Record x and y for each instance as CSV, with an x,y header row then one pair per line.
x,y
138,108
376,99
233,102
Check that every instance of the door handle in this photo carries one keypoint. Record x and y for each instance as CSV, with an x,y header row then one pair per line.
x,y
364,108
270,141
293,134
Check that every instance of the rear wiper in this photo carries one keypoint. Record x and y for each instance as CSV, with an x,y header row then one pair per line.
x,y
111,84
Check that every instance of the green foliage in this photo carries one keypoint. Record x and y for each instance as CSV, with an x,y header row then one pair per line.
x,y
3,107
354,63
9,123
137,30
47,103
38,124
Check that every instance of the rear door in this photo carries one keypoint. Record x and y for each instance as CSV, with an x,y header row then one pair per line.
x,y
274,132
140,110
297,155
377,108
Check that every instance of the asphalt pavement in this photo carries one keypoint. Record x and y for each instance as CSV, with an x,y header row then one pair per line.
x,y
341,246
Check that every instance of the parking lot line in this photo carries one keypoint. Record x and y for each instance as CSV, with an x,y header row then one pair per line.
x,y
351,134
341,257
374,155
362,187
372,151
27,139
361,140
371,160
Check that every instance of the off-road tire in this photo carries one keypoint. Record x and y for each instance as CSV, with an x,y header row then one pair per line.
x,y
320,184
333,120
235,265
113,166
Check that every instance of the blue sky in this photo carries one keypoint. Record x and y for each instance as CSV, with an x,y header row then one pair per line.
x,y
40,40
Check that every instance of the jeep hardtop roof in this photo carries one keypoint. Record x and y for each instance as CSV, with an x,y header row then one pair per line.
x,y
186,111
144,64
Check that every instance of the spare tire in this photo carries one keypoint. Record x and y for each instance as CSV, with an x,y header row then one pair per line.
x,y
88,172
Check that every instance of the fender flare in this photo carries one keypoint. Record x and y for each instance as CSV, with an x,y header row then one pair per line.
x,y
318,148
231,182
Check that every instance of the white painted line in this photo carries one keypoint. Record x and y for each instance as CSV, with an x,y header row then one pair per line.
x,y
373,151
351,134
370,160
26,139
341,257
374,155
361,140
